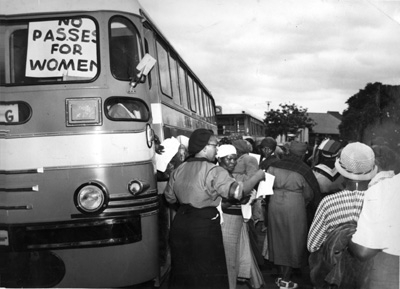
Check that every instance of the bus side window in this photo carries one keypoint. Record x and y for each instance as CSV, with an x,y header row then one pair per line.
x,y
163,69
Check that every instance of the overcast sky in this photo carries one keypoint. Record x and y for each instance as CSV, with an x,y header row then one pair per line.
x,y
315,54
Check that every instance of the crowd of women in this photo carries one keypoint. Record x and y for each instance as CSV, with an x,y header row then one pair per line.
x,y
338,215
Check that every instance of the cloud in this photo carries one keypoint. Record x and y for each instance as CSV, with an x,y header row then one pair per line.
x,y
312,53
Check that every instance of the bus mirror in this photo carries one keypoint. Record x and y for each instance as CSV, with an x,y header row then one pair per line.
x,y
140,78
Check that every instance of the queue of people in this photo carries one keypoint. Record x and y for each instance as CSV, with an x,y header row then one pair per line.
x,y
339,217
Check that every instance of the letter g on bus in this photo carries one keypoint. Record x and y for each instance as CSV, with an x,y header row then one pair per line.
x,y
9,116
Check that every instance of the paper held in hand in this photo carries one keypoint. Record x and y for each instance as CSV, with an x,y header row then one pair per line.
x,y
265,187
171,146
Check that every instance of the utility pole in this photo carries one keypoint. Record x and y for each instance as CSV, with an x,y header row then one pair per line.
x,y
268,103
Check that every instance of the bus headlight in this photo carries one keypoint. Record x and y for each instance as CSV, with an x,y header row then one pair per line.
x,y
91,198
136,187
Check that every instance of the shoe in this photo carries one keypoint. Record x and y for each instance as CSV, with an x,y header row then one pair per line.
x,y
287,284
278,281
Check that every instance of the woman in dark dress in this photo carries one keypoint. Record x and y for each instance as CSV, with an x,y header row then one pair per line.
x,y
197,251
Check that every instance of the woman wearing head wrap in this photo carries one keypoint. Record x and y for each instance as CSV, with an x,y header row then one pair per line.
x,y
197,253
357,165
232,227
246,165
294,187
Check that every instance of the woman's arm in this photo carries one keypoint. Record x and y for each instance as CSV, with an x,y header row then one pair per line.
x,y
246,187
362,253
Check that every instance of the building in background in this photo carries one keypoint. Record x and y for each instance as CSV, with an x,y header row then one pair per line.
x,y
327,126
246,125
240,124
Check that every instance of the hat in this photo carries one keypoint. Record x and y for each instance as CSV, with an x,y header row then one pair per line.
x,y
198,140
226,150
330,148
268,142
241,146
357,162
297,148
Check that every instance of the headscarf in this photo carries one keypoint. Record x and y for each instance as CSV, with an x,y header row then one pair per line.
x,y
241,146
297,148
226,150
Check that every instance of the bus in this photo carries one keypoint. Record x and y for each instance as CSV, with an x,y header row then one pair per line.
x,y
180,103
84,88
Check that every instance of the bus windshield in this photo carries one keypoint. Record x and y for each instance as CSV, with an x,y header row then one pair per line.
x,y
48,51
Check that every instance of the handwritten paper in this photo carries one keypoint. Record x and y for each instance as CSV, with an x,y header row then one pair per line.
x,y
62,48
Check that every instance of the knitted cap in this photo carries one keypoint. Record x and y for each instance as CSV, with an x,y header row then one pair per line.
x,y
198,140
268,142
330,148
357,162
297,148
226,150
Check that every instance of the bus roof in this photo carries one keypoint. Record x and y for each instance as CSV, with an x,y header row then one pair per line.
x,y
16,7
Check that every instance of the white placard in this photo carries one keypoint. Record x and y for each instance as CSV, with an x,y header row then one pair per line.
x,y
266,187
146,64
62,48
171,146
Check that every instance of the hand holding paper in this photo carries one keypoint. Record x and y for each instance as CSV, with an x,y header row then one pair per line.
x,y
247,208
171,146
265,187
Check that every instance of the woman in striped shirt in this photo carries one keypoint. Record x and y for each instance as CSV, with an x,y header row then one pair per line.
x,y
357,165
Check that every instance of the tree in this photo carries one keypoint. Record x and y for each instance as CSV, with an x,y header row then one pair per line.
x,y
373,112
288,119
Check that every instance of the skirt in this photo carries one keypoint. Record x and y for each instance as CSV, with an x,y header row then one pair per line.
x,y
197,251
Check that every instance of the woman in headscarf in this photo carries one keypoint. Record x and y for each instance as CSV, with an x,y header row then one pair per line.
x,y
246,165
197,252
232,227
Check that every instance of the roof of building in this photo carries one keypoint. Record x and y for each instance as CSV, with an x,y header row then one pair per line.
x,y
327,123
243,114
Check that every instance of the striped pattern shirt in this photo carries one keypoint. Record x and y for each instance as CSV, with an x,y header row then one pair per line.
x,y
335,209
